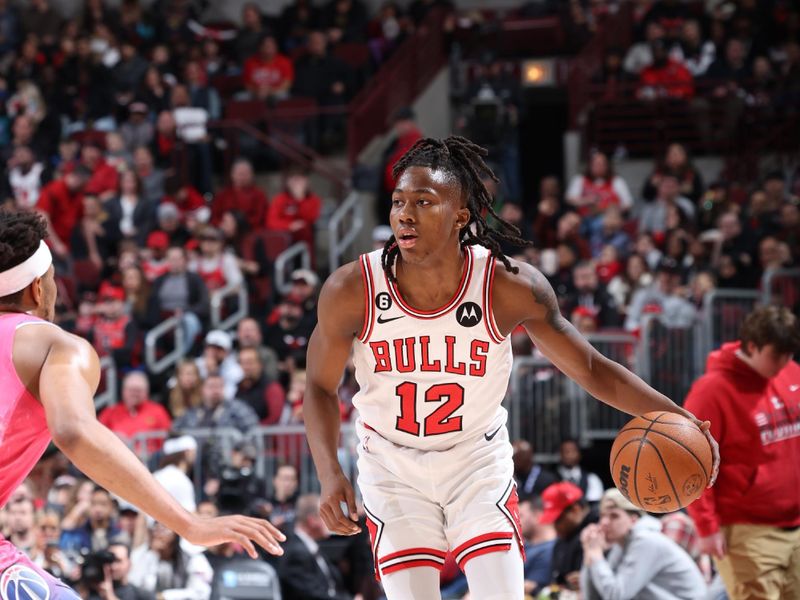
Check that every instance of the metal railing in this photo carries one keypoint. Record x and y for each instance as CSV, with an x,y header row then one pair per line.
x,y
722,314
598,420
171,325
108,397
669,358
287,262
781,286
343,228
219,303
542,405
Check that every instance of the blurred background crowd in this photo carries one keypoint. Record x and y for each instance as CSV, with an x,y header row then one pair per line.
x,y
112,126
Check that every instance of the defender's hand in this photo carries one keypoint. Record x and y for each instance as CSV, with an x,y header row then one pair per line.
x,y
239,529
336,489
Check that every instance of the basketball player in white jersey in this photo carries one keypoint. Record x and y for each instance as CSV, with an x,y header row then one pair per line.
x,y
47,382
427,319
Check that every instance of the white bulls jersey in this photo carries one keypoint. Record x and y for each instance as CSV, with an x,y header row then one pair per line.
x,y
430,380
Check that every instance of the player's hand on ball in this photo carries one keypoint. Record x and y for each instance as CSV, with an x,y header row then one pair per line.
x,y
336,490
705,427
713,545
242,530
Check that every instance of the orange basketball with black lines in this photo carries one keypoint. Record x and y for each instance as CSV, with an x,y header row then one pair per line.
x,y
661,462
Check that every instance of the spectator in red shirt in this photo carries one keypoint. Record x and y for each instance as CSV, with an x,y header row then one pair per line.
x,y
104,179
296,208
61,203
665,78
136,413
241,195
268,75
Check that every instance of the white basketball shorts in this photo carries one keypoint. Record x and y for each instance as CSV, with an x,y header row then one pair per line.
x,y
421,504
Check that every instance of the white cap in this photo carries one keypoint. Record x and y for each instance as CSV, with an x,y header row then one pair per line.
x,y
306,275
217,337
179,444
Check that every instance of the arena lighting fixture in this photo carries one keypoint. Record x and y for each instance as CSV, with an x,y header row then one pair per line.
x,y
539,72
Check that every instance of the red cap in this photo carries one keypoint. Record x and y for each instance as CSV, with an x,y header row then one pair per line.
x,y
556,499
158,240
110,292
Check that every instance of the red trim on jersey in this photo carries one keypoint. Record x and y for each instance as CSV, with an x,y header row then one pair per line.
x,y
510,508
412,551
369,315
481,551
486,537
483,544
375,529
466,275
488,285
369,427
411,564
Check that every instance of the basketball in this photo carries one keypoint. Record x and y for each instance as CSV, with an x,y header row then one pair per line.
x,y
661,462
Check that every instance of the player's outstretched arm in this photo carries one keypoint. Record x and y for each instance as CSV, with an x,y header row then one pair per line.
x,y
529,299
66,386
340,318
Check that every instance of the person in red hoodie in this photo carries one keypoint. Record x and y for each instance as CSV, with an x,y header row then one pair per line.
x,y
104,179
243,194
61,203
750,521
296,208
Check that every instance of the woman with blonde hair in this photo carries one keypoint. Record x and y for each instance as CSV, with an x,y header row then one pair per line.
x,y
186,392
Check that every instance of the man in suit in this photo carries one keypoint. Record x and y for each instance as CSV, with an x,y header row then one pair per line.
x,y
305,574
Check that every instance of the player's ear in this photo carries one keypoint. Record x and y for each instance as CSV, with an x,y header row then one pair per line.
x,y
37,290
462,218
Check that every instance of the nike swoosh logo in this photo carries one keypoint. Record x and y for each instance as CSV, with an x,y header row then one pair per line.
x,y
794,388
381,320
490,436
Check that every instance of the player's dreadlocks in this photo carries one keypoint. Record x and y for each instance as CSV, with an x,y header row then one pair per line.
x,y
20,235
464,160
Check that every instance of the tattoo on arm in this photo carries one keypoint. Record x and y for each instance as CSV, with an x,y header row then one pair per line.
x,y
543,294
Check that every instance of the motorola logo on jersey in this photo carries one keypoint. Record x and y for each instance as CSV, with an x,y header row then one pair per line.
x,y
23,583
469,314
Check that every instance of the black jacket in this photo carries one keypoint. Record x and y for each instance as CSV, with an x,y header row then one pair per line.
x,y
301,576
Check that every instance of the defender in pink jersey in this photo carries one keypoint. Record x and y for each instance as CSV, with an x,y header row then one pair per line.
x,y
427,321
48,378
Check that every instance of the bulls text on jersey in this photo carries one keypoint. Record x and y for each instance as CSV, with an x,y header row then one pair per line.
x,y
409,354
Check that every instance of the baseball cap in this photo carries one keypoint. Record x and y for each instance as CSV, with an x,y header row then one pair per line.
x,y
668,265
613,498
557,498
158,240
217,337
305,275
108,291
167,210
64,481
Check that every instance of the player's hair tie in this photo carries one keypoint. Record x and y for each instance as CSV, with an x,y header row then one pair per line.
x,y
22,275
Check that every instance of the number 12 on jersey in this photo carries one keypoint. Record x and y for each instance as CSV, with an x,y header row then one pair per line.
x,y
440,420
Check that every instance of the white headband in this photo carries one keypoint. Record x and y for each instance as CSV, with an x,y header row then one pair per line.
x,y
21,276
180,444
